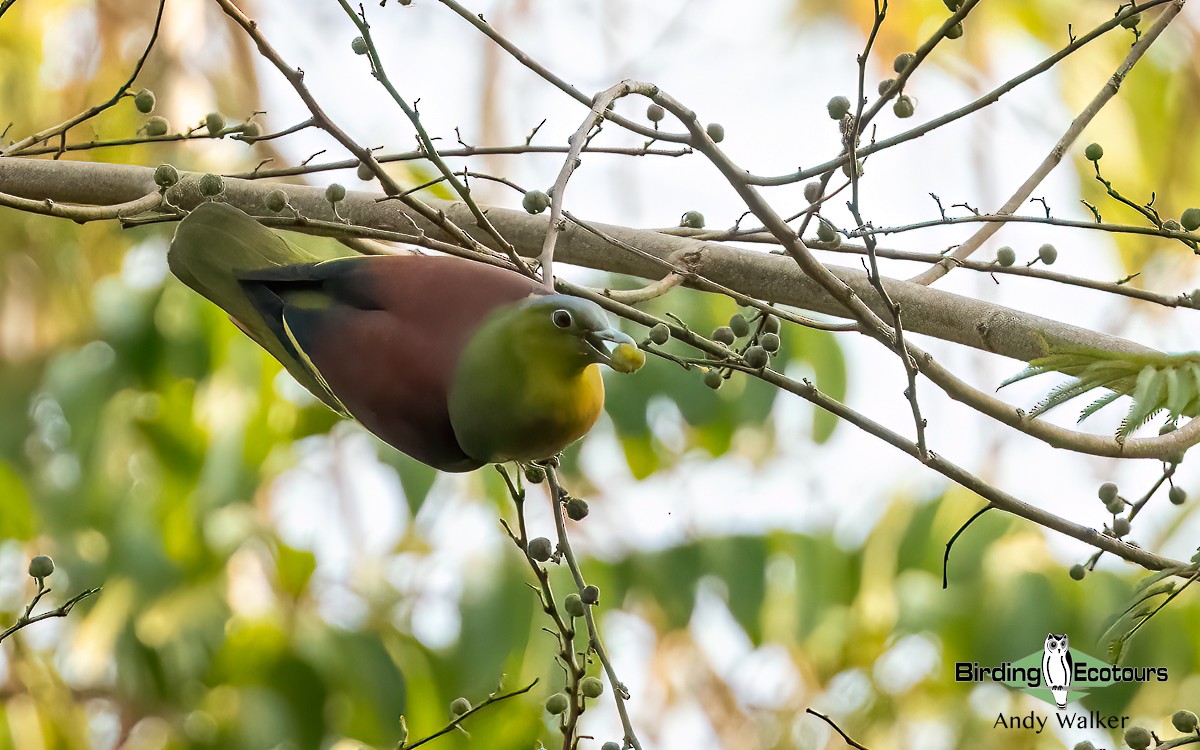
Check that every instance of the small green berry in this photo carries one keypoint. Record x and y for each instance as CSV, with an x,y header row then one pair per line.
x,y
1006,256
1190,219
826,232
812,192
557,703
590,595
1116,507
955,31
848,170
1184,721
535,201
713,379
276,200
1194,297
458,707
903,61
359,45
716,131
660,334
215,123
1170,225
655,113
1131,22
144,100
1078,572
1085,745
41,567
739,325
535,474
757,357
1177,496
166,175
592,687
610,745
1120,526
251,130
1108,492
573,605
540,549
364,173
886,85
770,342
1138,738
1094,152
1048,254
577,509
724,335
211,184
156,126
904,107
838,107
771,324
692,220
335,192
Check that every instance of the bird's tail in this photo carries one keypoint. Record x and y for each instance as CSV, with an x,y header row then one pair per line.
x,y
1060,696
217,245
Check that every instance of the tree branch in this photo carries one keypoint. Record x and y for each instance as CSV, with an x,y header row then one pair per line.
x,y
1081,121
932,312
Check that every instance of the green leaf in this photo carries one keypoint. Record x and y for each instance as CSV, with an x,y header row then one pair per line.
x,y
16,515
822,351
1148,399
1180,389
1098,404
295,568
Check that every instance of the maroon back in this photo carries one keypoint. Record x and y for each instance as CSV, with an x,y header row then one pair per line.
x,y
389,343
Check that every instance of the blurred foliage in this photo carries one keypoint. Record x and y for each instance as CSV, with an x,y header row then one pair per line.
x,y
145,443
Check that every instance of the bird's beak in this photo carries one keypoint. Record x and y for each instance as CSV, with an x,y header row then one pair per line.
x,y
615,349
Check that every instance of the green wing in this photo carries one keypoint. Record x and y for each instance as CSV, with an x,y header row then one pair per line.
x,y
215,247
1155,382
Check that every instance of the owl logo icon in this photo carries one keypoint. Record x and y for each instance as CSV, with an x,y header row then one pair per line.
x,y
1057,667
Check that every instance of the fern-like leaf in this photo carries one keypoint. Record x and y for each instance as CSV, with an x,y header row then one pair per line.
x,y
1155,383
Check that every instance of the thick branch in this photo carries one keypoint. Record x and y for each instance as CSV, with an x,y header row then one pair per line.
x,y
951,317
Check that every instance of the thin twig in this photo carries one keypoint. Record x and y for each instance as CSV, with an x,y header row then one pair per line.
x,y
836,728
456,721
954,538
853,133
986,100
380,74
62,128
564,629
601,104
295,77
620,692
28,619
1081,121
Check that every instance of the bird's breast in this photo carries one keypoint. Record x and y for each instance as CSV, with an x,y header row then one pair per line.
x,y
518,413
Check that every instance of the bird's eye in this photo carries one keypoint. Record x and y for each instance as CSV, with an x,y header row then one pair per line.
x,y
561,318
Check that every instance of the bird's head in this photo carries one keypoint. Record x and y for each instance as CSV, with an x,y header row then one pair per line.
x,y
579,330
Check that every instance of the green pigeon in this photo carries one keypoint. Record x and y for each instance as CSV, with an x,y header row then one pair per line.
x,y
454,362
